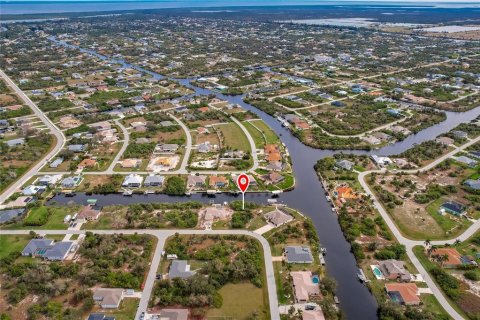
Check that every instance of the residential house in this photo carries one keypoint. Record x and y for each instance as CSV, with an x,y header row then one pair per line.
x,y
394,269
132,181
88,213
446,141
211,214
71,182
452,207
11,214
381,161
403,293
460,134
474,184
204,147
273,178
154,181
48,249
303,286
344,164
108,298
101,126
55,163
76,148
453,258
278,217
217,182
49,180
15,142
298,254
313,315
32,190
466,160
166,148
87,163
196,181
130,163
180,269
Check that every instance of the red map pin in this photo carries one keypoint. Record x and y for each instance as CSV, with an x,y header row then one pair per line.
x,y
242,182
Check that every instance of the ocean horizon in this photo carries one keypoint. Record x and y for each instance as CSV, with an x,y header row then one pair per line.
x,y
19,7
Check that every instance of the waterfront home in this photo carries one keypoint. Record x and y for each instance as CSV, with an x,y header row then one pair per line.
x,y
344,164
298,254
446,141
403,293
88,213
381,161
313,315
394,269
153,181
460,134
132,181
32,190
303,285
278,217
11,214
217,181
196,181
273,178
71,182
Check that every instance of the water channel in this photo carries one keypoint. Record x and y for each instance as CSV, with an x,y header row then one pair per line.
x,y
308,196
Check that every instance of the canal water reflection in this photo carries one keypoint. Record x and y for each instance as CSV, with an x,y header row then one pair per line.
x,y
308,196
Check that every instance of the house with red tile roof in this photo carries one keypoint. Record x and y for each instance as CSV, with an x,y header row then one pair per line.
x,y
403,293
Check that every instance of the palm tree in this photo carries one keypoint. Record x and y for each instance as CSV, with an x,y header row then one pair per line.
x,y
442,259
457,242
427,242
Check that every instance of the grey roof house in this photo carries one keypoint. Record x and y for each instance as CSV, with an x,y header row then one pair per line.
x,y
298,254
76,147
180,269
153,181
48,249
344,164
278,217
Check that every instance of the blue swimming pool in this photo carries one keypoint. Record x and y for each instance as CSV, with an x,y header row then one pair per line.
x,y
377,272
315,279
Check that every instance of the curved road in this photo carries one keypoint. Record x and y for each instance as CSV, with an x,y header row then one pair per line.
x,y
59,136
409,243
162,236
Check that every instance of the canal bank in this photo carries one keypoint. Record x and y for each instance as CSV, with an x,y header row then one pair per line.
x,y
308,196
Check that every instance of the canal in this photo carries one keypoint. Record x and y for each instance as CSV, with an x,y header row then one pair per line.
x,y
308,196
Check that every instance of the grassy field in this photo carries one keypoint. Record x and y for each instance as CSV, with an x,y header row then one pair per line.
x,y
234,138
428,265
240,301
256,135
55,216
269,134
126,311
12,243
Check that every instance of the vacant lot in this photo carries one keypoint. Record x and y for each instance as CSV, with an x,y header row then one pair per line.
x,y
233,137
240,301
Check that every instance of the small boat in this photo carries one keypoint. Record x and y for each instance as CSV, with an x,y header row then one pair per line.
x,y
323,250
335,298
188,193
127,193
277,191
322,259
92,201
148,192
329,199
70,193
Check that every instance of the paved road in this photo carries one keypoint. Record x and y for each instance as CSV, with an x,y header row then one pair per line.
x,y
409,243
60,139
251,141
162,235
188,147
126,141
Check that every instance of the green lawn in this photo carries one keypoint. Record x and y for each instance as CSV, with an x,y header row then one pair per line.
x,y
240,301
255,133
126,311
234,138
55,216
12,243
450,225
269,133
